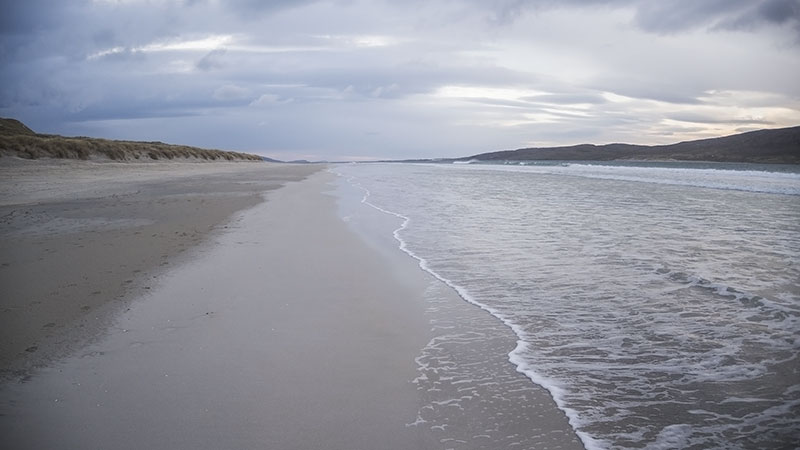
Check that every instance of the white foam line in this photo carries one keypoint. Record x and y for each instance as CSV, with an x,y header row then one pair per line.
x,y
515,356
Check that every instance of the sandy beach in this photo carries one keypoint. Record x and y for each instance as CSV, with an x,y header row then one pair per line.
x,y
219,306
79,240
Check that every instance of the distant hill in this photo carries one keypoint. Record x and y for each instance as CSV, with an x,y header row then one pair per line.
x,y
777,146
12,127
16,139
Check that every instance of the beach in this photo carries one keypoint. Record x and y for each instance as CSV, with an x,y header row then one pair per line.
x,y
79,240
273,323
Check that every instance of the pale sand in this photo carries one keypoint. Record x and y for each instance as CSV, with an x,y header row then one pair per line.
x,y
288,332
78,240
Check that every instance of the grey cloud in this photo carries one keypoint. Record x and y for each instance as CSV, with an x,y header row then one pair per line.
x,y
569,133
366,77
23,17
232,92
549,103
567,99
211,60
359,100
769,12
270,100
780,11
43,29
746,129
132,111
667,16
499,102
505,11
27,30
663,16
673,130
122,55
706,119
104,37
247,8
660,90
672,16
168,96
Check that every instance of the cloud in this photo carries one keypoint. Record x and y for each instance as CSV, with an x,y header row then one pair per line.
x,y
270,100
251,9
20,18
768,12
408,79
674,16
211,60
709,119
230,92
499,102
643,86
567,99
668,16
779,11
663,16
384,91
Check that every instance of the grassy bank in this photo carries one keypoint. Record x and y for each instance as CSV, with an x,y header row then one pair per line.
x,y
16,139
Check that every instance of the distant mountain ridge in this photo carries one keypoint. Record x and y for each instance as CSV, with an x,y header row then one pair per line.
x,y
774,146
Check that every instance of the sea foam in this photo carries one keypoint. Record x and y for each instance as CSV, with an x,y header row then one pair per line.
x,y
626,300
514,357
787,183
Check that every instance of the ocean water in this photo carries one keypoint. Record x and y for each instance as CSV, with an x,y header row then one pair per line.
x,y
658,304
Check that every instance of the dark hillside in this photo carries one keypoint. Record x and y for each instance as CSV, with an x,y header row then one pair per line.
x,y
778,146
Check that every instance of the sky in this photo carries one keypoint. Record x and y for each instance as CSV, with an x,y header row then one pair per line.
x,y
361,80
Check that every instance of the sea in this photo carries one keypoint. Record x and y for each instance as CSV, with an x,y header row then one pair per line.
x,y
657,303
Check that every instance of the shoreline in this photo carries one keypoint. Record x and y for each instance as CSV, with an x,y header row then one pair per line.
x,y
472,392
295,322
287,332
81,239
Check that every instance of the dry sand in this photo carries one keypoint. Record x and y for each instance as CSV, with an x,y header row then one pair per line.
x,y
78,240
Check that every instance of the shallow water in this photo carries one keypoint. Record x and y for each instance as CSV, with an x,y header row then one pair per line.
x,y
660,306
